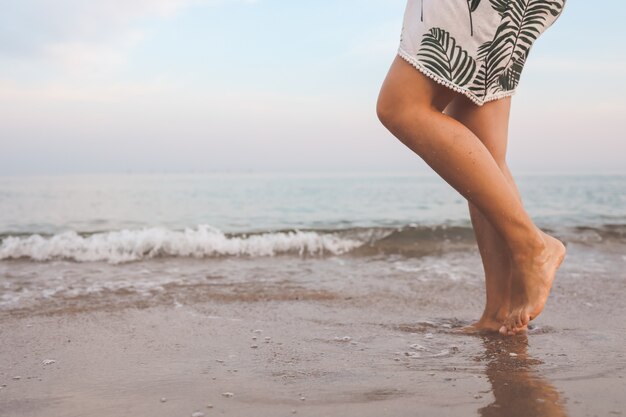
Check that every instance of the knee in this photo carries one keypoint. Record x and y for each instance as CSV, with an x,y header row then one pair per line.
x,y
394,112
386,109
406,121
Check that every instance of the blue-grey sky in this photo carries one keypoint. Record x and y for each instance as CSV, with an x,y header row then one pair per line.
x,y
272,85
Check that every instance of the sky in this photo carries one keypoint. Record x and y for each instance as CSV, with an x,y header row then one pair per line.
x,y
273,85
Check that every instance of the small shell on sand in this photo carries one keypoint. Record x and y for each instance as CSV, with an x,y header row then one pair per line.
x,y
417,346
254,346
209,405
228,394
163,399
258,331
48,362
17,377
513,355
343,339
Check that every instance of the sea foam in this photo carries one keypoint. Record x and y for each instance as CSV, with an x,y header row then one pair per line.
x,y
203,241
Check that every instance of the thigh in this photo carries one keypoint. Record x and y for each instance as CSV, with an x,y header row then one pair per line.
x,y
489,122
405,86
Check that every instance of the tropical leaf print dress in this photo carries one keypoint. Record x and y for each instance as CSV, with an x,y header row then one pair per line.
x,y
475,47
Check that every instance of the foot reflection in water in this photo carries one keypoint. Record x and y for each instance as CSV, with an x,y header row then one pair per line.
x,y
516,384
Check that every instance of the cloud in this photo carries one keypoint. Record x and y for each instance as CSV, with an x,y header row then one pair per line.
x,y
80,36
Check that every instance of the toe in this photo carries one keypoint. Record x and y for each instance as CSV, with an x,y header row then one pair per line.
x,y
521,329
508,326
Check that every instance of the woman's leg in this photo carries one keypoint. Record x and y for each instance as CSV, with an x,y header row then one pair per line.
x,y
410,105
490,123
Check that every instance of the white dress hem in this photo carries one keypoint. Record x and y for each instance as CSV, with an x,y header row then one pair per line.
x,y
447,83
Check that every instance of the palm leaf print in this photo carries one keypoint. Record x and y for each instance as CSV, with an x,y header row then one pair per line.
x,y
483,50
511,76
522,23
481,84
527,19
499,6
472,6
441,55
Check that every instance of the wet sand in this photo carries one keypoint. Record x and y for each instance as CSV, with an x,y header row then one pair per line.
x,y
311,350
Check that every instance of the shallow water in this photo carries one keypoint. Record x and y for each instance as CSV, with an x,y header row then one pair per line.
x,y
360,281
349,343
168,222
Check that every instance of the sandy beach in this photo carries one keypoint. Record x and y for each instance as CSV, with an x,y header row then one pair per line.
x,y
255,208
327,300
370,346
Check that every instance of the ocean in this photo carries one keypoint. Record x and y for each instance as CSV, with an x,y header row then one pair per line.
x,y
140,240
311,294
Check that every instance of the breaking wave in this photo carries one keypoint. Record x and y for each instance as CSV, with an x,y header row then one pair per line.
x,y
203,241
208,242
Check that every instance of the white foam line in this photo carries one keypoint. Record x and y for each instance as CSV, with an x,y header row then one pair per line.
x,y
203,241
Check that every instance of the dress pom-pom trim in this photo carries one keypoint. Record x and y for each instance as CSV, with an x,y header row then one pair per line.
x,y
447,83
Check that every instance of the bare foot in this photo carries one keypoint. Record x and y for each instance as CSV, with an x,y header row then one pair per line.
x,y
484,325
532,282
488,323
487,327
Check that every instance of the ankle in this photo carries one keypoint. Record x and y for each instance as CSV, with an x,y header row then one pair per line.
x,y
528,248
495,314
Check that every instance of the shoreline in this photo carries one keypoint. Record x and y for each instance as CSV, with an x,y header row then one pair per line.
x,y
398,356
